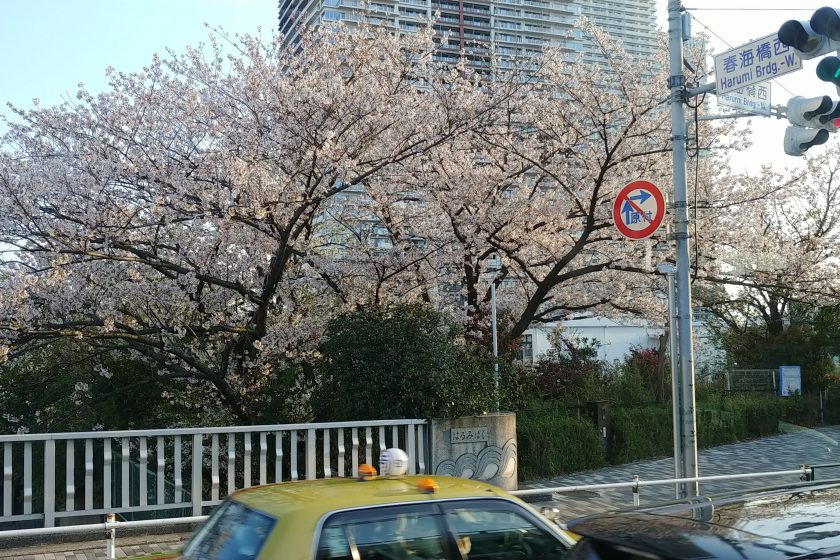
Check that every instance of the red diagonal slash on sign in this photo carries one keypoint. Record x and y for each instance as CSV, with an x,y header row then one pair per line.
x,y
636,207
648,223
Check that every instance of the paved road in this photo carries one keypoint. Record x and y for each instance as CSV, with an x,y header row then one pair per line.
x,y
781,452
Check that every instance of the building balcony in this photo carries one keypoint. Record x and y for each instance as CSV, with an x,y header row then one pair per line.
x,y
479,11
539,29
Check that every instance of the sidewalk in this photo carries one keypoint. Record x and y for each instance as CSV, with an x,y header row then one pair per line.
x,y
94,550
774,453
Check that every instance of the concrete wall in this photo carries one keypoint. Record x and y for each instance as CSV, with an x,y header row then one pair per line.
x,y
477,447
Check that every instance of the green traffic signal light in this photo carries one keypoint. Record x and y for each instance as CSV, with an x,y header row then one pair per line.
x,y
828,70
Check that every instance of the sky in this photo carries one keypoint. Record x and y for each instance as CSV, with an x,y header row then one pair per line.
x,y
48,46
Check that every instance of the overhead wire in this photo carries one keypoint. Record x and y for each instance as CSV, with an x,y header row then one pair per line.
x,y
753,9
728,44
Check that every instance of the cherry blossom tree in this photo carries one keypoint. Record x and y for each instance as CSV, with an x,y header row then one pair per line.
x,y
176,214
779,250
212,212
524,199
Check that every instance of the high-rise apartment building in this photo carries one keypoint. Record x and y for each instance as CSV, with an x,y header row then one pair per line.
x,y
633,22
486,30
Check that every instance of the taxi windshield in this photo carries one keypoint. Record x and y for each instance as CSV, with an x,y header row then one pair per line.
x,y
233,532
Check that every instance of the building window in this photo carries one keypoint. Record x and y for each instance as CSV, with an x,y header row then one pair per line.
x,y
331,15
526,349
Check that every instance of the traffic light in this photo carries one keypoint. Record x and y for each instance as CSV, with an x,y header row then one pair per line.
x,y
828,70
816,37
812,38
826,22
798,140
813,118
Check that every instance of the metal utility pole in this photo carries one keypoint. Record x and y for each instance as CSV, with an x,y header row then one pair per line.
x,y
685,378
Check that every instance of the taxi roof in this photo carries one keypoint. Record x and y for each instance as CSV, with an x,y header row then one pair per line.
x,y
301,506
321,496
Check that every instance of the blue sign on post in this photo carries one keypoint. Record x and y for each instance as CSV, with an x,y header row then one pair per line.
x,y
754,99
755,62
790,380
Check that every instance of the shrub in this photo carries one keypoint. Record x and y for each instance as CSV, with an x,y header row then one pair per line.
x,y
563,369
552,443
640,433
718,422
403,361
644,363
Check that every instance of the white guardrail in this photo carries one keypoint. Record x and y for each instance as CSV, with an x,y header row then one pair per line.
x,y
804,473
179,472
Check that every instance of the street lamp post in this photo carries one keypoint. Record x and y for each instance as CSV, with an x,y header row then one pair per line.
x,y
670,274
495,345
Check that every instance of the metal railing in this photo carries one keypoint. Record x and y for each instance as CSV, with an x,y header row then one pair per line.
x,y
180,472
804,472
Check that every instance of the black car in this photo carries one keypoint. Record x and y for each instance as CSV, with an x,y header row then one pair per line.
x,y
801,521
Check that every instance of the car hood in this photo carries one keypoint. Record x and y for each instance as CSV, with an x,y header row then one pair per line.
x,y
777,523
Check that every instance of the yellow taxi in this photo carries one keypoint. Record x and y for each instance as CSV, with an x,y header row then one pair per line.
x,y
388,516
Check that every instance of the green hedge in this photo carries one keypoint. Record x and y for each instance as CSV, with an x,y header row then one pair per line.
x,y
640,432
553,442
550,444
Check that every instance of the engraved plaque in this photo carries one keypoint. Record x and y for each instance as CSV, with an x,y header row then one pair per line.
x,y
468,435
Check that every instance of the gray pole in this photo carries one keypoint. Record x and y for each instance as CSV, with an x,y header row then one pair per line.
x,y
676,81
670,276
669,273
495,345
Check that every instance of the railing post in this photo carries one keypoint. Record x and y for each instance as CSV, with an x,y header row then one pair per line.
x,y
411,449
423,445
8,474
808,473
49,483
197,452
636,501
111,543
311,466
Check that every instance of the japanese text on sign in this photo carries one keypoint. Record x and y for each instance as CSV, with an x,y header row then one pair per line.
x,y
468,435
754,99
758,61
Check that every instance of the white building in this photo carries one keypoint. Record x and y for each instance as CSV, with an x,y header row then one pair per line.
x,y
615,339
486,31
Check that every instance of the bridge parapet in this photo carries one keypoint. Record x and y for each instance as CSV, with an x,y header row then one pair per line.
x,y
74,477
